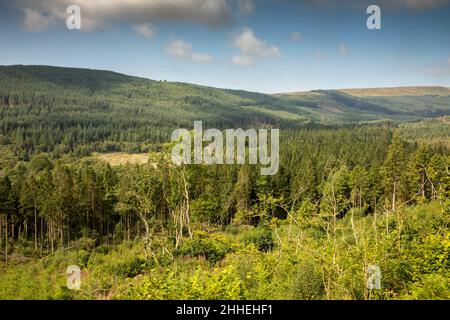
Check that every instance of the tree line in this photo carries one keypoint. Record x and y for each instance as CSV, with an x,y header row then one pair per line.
x,y
51,202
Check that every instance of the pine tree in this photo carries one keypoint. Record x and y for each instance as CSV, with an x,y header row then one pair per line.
x,y
394,171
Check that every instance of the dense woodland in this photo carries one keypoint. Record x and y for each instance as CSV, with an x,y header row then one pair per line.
x,y
327,177
49,109
345,197
328,170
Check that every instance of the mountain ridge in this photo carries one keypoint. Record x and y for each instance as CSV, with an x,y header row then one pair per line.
x,y
20,84
360,92
43,109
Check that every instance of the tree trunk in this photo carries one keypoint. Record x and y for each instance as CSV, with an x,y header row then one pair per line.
x,y
423,186
6,241
187,209
394,196
35,227
68,230
52,236
1,233
42,235
12,228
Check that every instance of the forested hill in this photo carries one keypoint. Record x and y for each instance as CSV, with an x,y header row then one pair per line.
x,y
43,108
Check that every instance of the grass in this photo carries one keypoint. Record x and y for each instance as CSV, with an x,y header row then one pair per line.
x,y
119,158
294,268
400,91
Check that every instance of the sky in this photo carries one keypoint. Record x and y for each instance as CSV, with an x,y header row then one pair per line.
x,y
256,45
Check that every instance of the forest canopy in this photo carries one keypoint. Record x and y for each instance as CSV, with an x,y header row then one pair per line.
x,y
368,185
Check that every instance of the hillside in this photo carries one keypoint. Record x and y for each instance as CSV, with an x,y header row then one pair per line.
x,y
80,186
356,105
399,91
50,108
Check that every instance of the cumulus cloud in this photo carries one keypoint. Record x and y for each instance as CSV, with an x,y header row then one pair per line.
x,y
249,44
343,49
296,36
252,48
183,50
146,30
38,14
35,20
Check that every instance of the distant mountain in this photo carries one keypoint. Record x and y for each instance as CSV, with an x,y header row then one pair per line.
x,y
356,105
50,105
389,91
398,91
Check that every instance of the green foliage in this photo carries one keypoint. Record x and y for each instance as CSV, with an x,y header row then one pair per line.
x,y
205,210
212,248
345,198
261,237
129,268
431,287
66,110
219,284
307,282
301,266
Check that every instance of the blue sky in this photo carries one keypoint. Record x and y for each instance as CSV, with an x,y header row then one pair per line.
x,y
265,46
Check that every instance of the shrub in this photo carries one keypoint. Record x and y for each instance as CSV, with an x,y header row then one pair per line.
x,y
203,245
102,249
431,287
307,283
205,210
261,238
220,283
129,268
83,257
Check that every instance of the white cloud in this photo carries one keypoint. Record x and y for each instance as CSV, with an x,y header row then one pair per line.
x,y
146,30
35,20
38,14
252,48
296,36
183,50
343,49
179,49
